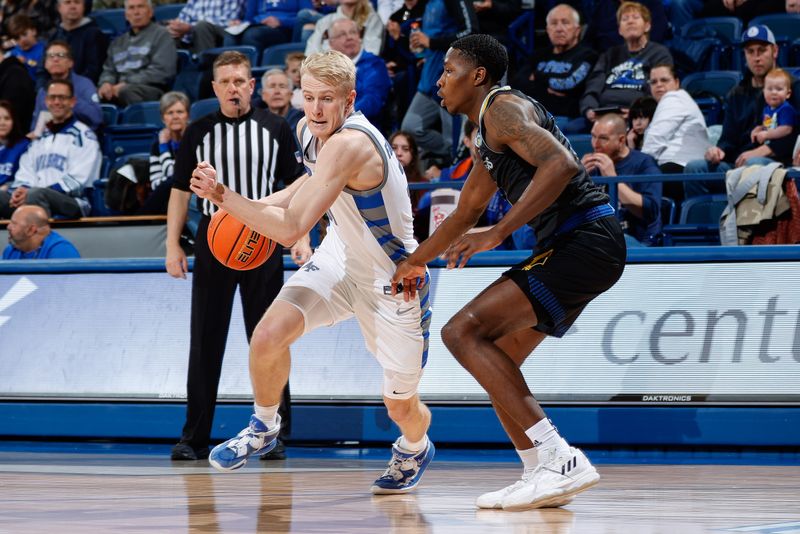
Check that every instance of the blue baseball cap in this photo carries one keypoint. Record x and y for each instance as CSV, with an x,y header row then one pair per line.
x,y
759,32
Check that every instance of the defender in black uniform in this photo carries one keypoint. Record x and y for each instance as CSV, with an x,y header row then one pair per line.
x,y
580,253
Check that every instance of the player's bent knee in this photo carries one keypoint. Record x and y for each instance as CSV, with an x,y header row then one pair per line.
x,y
459,330
269,337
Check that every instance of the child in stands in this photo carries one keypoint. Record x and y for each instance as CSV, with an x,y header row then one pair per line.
x,y
779,117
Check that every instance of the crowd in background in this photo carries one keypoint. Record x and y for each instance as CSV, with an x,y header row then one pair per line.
x,y
60,66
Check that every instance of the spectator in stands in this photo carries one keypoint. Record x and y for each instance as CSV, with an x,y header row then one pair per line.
x,y
401,63
372,78
556,76
367,20
201,23
57,167
29,49
58,66
494,16
30,237
620,75
271,22
307,18
292,63
85,38
640,202
405,148
602,31
141,63
276,95
779,117
16,86
13,144
42,12
743,108
793,6
678,133
174,107
639,117
443,22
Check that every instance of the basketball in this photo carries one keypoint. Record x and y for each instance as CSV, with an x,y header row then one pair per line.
x,y
235,245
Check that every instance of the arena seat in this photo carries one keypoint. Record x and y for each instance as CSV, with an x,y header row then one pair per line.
x,y
276,54
201,108
206,58
698,223
110,114
581,143
142,113
709,89
167,12
128,138
111,21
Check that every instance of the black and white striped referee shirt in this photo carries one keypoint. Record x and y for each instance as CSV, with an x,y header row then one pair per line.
x,y
253,155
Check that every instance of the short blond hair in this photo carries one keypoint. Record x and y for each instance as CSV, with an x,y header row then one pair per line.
x,y
331,68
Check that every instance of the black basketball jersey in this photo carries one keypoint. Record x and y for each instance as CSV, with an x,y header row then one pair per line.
x,y
513,174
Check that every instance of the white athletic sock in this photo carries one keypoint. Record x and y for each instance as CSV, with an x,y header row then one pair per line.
x,y
530,458
267,414
413,446
544,435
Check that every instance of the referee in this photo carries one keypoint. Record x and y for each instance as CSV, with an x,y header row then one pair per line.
x,y
253,151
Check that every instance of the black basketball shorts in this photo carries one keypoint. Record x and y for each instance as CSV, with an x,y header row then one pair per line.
x,y
561,279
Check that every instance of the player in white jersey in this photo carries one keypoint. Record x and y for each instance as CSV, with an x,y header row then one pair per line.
x,y
354,176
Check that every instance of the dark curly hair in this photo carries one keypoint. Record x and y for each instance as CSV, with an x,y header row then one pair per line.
x,y
484,51
17,132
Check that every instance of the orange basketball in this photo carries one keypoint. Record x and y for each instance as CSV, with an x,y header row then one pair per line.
x,y
235,245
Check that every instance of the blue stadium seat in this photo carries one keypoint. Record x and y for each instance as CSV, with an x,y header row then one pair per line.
x,y
128,139
110,114
275,54
667,211
785,26
728,30
142,113
581,143
111,21
201,108
167,11
709,89
206,58
698,223
521,34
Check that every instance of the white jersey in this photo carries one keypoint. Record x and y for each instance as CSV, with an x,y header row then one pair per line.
x,y
370,231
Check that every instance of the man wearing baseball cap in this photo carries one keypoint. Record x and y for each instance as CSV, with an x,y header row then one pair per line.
x,y
743,107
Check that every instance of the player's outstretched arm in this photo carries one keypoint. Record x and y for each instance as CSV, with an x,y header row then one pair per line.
x,y
336,164
511,122
476,194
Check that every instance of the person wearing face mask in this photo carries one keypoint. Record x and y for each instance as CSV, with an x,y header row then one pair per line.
x,y
267,163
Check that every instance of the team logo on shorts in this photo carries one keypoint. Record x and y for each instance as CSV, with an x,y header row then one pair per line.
x,y
539,259
488,164
308,267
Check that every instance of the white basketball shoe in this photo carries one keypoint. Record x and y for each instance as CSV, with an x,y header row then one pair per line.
x,y
494,499
560,475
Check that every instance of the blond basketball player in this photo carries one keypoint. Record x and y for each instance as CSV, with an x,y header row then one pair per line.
x,y
354,176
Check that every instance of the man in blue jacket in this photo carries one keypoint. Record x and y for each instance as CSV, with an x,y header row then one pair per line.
x,y
30,237
372,77
443,22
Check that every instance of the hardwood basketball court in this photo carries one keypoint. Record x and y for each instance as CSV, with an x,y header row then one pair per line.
x,y
327,490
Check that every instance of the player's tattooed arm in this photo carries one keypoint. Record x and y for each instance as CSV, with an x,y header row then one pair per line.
x,y
511,123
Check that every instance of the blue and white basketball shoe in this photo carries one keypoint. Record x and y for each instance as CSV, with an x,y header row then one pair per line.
x,y
255,439
404,471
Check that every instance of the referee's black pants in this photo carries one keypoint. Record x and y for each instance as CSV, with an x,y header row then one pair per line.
x,y
213,289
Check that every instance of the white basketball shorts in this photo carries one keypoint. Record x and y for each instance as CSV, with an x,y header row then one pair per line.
x,y
395,331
